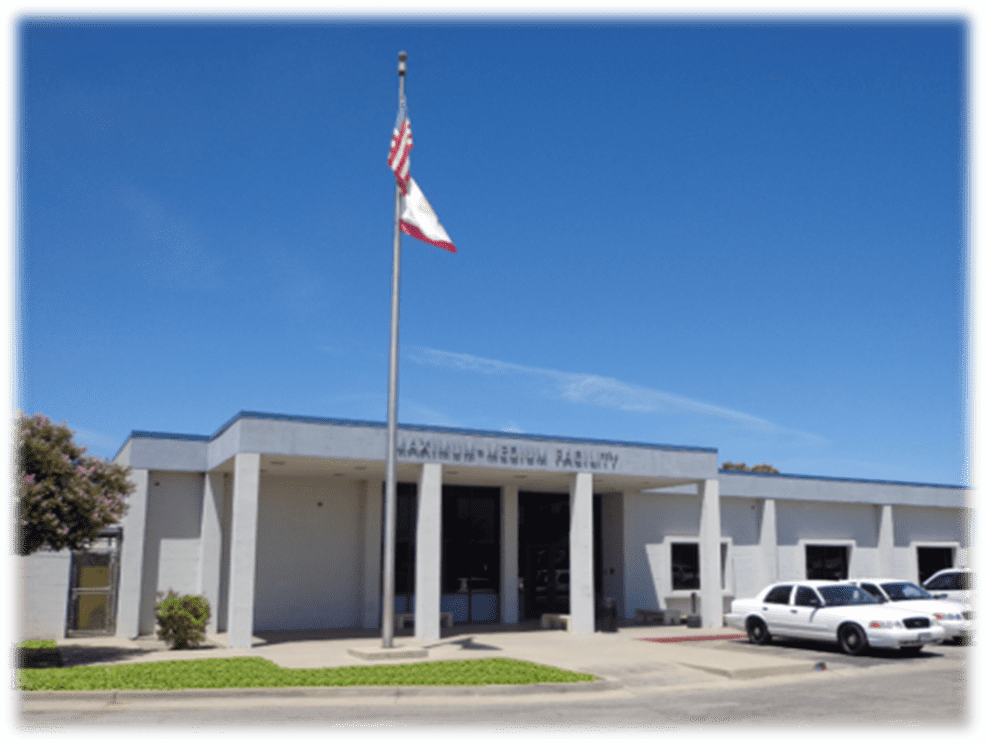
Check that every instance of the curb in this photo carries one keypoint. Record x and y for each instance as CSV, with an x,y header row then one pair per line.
x,y
144,696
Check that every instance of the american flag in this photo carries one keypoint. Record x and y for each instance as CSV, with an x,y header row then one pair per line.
x,y
401,145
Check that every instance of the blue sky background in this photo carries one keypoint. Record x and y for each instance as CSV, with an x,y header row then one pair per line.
x,y
744,235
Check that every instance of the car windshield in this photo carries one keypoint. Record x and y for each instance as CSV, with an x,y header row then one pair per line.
x,y
836,595
900,590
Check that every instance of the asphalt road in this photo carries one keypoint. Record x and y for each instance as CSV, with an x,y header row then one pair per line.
x,y
877,689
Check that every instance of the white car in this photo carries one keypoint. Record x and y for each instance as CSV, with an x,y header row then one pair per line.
x,y
832,611
955,617
951,583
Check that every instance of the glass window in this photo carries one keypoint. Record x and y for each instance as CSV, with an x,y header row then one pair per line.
x,y
684,566
806,597
931,560
836,595
898,590
828,562
779,595
874,590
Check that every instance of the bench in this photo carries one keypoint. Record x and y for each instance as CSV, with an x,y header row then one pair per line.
x,y
401,618
658,617
555,620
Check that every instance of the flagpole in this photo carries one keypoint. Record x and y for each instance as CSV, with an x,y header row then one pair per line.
x,y
390,498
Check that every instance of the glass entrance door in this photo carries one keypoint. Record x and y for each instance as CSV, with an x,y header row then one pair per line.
x,y
471,553
544,553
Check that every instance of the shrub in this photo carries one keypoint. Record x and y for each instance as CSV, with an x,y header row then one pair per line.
x,y
182,619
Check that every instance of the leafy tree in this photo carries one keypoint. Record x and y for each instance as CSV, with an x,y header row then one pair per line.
x,y
64,497
761,468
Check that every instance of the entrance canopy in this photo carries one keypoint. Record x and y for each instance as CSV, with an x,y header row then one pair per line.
x,y
301,445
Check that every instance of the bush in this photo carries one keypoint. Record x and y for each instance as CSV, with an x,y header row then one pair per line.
x,y
182,619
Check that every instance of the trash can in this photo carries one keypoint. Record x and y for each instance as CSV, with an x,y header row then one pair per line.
x,y
694,620
608,624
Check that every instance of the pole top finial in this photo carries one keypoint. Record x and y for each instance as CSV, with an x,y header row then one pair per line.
x,y
402,65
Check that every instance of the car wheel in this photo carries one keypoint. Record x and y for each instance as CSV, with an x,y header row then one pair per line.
x,y
756,631
852,639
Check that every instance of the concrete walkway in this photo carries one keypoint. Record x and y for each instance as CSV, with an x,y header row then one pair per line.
x,y
629,660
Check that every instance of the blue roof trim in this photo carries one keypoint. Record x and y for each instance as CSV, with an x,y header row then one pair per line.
x,y
846,480
452,430
168,435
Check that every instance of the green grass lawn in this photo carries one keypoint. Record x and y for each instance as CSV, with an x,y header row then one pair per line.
x,y
255,672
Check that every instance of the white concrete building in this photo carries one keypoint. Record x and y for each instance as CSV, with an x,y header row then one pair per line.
x,y
277,520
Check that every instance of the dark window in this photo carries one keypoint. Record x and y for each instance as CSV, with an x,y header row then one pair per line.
x,y
873,590
806,597
951,581
827,562
933,560
404,539
684,566
779,595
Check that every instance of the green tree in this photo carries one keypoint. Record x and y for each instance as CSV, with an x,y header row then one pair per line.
x,y
64,497
761,468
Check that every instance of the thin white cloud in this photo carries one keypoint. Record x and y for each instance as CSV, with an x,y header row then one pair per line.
x,y
594,390
96,441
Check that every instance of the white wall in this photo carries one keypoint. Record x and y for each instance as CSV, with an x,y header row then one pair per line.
x,y
44,583
916,526
171,545
309,557
648,519
741,519
853,525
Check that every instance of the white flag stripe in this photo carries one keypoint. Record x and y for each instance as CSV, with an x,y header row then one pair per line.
x,y
399,158
420,221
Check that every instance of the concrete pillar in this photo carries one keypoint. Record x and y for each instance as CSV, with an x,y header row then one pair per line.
x,y
768,542
509,548
582,596
243,549
709,554
211,544
428,555
885,541
130,588
372,537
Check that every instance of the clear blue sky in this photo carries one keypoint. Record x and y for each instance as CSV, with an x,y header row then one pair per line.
x,y
741,235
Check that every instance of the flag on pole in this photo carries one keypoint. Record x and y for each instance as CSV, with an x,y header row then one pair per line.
x,y
401,145
420,221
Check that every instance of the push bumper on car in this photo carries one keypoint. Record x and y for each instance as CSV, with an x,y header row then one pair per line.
x,y
904,637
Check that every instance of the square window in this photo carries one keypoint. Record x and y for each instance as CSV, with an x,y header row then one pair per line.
x,y
827,562
684,566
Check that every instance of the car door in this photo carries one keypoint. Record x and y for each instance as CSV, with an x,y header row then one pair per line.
x,y
775,609
804,613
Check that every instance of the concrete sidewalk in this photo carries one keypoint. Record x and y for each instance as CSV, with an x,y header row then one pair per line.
x,y
629,660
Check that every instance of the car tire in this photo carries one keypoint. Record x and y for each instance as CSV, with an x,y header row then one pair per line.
x,y
756,631
852,638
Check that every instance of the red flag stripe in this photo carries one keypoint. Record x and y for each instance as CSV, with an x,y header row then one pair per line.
x,y
414,232
400,150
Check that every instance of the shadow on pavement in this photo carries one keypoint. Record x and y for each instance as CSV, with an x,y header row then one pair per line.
x,y
782,645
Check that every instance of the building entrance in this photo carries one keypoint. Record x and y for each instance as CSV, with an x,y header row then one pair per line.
x,y
92,593
471,553
543,533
